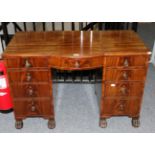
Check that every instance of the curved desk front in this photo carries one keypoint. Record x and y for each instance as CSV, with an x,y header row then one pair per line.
x,y
31,55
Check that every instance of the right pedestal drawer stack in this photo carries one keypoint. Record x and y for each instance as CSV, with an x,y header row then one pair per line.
x,y
123,86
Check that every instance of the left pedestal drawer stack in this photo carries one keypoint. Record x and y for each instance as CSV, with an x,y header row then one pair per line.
x,y
31,88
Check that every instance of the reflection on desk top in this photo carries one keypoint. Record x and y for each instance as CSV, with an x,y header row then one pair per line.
x,y
76,43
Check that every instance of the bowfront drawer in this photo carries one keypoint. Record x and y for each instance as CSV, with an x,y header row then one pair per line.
x,y
117,106
29,75
126,61
75,63
113,74
123,89
26,62
31,90
37,107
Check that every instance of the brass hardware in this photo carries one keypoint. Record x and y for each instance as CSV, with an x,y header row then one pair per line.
x,y
33,108
30,91
123,90
27,64
121,107
125,75
28,77
126,63
77,64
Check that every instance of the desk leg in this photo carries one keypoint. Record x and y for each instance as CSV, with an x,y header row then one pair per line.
x,y
135,122
51,116
51,123
19,124
99,93
103,123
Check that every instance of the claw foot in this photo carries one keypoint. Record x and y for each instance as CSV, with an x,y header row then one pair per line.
x,y
103,123
19,124
51,124
135,122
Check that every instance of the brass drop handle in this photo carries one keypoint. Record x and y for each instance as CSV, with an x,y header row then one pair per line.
x,y
122,105
28,77
123,90
30,91
77,64
33,108
27,64
126,62
125,75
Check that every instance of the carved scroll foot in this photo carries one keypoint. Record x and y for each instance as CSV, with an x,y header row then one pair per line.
x,y
135,122
19,124
103,123
51,124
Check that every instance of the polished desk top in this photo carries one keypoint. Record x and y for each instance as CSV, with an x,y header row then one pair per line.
x,y
76,44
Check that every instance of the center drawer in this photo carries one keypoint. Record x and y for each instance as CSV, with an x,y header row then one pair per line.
x,y
75,63
123,89
31,90
29,75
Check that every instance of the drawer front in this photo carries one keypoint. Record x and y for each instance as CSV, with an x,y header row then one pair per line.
x,y
113,74
29,76
117,106
124,89
31,90
26,62
126,61
37,107
75,63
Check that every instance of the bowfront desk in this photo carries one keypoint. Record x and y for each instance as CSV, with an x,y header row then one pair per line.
x,y
122,55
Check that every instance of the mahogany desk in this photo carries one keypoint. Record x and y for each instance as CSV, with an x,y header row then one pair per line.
x,y
31,55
